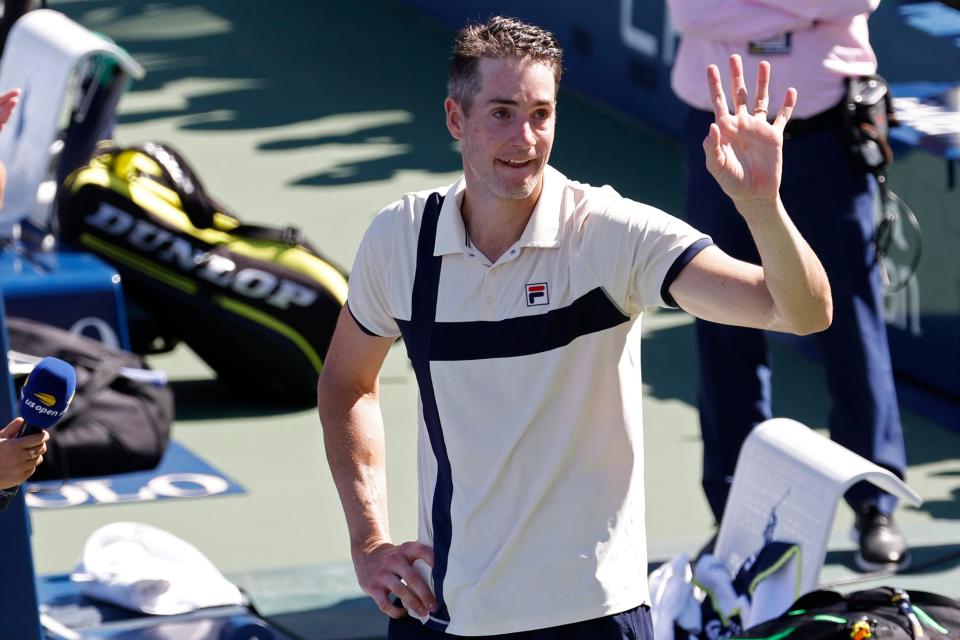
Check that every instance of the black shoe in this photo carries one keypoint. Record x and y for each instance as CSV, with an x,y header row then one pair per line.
x,y
882,545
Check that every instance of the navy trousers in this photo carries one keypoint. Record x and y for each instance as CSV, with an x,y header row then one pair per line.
x,y
832,202
635,624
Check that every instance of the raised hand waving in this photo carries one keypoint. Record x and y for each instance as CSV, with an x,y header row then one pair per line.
x,y
744,150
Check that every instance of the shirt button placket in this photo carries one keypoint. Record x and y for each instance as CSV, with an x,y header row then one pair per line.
x,y
488,298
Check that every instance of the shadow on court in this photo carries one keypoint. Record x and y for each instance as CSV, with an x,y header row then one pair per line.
x,y
926,559
670,373
799,392
273,65
210,399
354,618
266,69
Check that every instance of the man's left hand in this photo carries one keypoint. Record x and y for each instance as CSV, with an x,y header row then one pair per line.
x,y
744,151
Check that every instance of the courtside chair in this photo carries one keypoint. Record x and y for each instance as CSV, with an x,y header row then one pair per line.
x,y
45,55
788,482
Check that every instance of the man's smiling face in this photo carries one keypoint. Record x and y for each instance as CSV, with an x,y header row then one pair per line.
x,y
506,139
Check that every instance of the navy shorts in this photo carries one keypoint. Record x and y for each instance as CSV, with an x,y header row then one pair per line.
x,y
634,624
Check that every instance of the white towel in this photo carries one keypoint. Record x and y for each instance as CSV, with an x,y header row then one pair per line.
x,y
146,569
671,599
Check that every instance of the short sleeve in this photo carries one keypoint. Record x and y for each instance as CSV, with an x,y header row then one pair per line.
x,y
368,298
637,251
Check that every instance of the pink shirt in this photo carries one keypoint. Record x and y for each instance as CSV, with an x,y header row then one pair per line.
x,y
828,40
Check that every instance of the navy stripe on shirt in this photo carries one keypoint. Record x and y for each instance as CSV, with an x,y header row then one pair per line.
x,y
682,260
360,324
418,335
525,335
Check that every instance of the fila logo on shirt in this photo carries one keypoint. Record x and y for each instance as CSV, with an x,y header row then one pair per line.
x,y
537,294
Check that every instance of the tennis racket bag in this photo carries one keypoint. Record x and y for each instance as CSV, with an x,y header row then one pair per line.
x,y
122,411
885,613
258,304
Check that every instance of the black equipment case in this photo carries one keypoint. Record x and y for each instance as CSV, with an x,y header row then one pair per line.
x,y
884,613
258,304
121,414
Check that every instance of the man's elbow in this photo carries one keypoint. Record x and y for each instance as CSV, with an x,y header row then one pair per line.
x,y
337,393
818,319
818,324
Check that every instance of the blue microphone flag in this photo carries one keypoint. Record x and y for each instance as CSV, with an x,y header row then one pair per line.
x,y
47,392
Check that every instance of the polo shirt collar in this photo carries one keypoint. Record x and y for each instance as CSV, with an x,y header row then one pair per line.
x,y
543,229
451,234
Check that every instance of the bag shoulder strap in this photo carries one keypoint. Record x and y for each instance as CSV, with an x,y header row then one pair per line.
x,y
179,176
102,374
198,206
289,235
876,596
933,599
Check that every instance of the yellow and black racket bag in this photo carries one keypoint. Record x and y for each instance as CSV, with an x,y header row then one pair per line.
x,y
258,304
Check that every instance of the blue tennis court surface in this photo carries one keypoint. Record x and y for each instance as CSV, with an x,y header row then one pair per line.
x,y
180,474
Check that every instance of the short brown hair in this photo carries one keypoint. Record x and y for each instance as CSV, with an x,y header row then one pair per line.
x,y
497,38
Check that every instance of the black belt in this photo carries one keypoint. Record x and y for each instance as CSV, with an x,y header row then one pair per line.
x,y
832,118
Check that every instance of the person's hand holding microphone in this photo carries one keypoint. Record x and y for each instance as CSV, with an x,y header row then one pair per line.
x,y
20,457
43,401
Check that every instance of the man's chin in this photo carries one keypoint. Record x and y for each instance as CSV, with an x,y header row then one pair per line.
x,y
520,191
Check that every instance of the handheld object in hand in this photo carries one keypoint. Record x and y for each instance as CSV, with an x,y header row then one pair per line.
x,y
46,395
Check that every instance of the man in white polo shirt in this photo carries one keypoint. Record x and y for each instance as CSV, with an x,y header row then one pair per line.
x,y
518,293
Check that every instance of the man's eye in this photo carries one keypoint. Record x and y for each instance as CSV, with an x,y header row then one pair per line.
x,y
541,114
501,114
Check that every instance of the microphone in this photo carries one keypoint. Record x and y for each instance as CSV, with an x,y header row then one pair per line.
x,y
43,400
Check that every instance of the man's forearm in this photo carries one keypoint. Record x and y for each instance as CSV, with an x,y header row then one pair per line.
x,y
354,443
793,274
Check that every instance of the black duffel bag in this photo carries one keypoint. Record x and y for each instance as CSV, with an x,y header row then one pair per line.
x,y
257,303
121,414
884,613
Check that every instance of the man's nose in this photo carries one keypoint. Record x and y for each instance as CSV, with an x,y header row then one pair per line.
x,y
524,135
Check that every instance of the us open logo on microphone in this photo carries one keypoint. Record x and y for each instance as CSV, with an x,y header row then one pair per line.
x,y
46,399
537,294
40,409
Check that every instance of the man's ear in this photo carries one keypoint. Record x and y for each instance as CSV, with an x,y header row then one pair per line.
x,y
455,118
